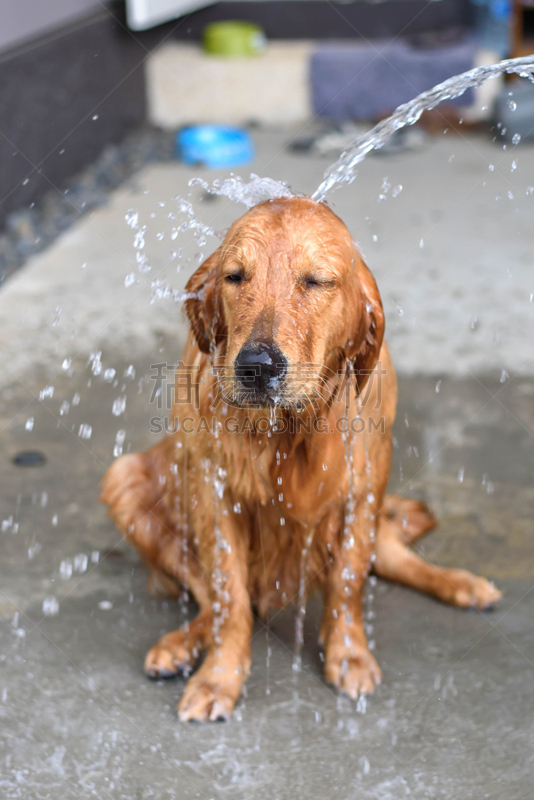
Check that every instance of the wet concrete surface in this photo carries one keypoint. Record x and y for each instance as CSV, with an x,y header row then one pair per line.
x,y
454,717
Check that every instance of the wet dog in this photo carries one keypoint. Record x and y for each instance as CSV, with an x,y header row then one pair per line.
x,y
274,477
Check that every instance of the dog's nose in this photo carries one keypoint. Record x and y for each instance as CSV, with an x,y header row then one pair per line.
x,y
258,367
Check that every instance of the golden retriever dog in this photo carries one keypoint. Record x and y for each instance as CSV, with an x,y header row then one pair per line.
x,y
274,473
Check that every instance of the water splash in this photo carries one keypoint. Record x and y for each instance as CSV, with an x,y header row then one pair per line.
x,y
343,171
256,190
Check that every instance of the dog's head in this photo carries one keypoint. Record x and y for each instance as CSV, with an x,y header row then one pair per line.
x,y
284,304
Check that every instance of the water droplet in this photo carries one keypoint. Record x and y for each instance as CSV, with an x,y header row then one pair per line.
x,y
65,569
119,406
80,563
361,705
29,424
139,238
119,441
50,606
95,359
85,431
132,218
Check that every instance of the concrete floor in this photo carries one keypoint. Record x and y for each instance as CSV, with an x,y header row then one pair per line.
x,y
454,717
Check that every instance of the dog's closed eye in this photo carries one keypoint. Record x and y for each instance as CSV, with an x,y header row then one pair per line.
x,y
314,282
234,277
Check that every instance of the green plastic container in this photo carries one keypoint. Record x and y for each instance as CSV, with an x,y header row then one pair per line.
x,y
233,39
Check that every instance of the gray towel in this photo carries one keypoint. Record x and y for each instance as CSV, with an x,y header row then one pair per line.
x,y
363,81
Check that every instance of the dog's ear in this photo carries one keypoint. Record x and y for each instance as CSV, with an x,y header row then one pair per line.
x,y
203,306
367,333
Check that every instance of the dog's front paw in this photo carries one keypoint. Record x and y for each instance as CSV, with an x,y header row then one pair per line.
x,y
352,670
166,662
210,694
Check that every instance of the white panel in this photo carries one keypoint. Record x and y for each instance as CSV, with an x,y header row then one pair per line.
x,y
23,20
142,14
185,85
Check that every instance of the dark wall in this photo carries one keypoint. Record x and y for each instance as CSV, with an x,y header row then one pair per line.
x,y
49,93
322,19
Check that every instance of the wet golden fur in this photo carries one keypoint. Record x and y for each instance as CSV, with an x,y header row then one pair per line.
x,y
229,515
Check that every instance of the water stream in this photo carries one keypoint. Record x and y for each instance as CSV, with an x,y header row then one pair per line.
x,y
343,170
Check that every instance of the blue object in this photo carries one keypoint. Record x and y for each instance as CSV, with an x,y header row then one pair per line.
x,y
214,145
493,25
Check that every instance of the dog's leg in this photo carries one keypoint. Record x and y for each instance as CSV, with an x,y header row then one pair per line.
x,y
135,495
349,665
411,518
396,562
212,691
132,490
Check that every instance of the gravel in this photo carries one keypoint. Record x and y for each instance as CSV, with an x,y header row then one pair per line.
x,y
30,230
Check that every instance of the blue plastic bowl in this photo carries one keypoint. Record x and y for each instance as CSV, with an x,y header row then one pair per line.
x,y
214,145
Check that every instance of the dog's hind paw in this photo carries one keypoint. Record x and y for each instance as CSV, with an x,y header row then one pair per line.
x,y
163,663
472,591
170,656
